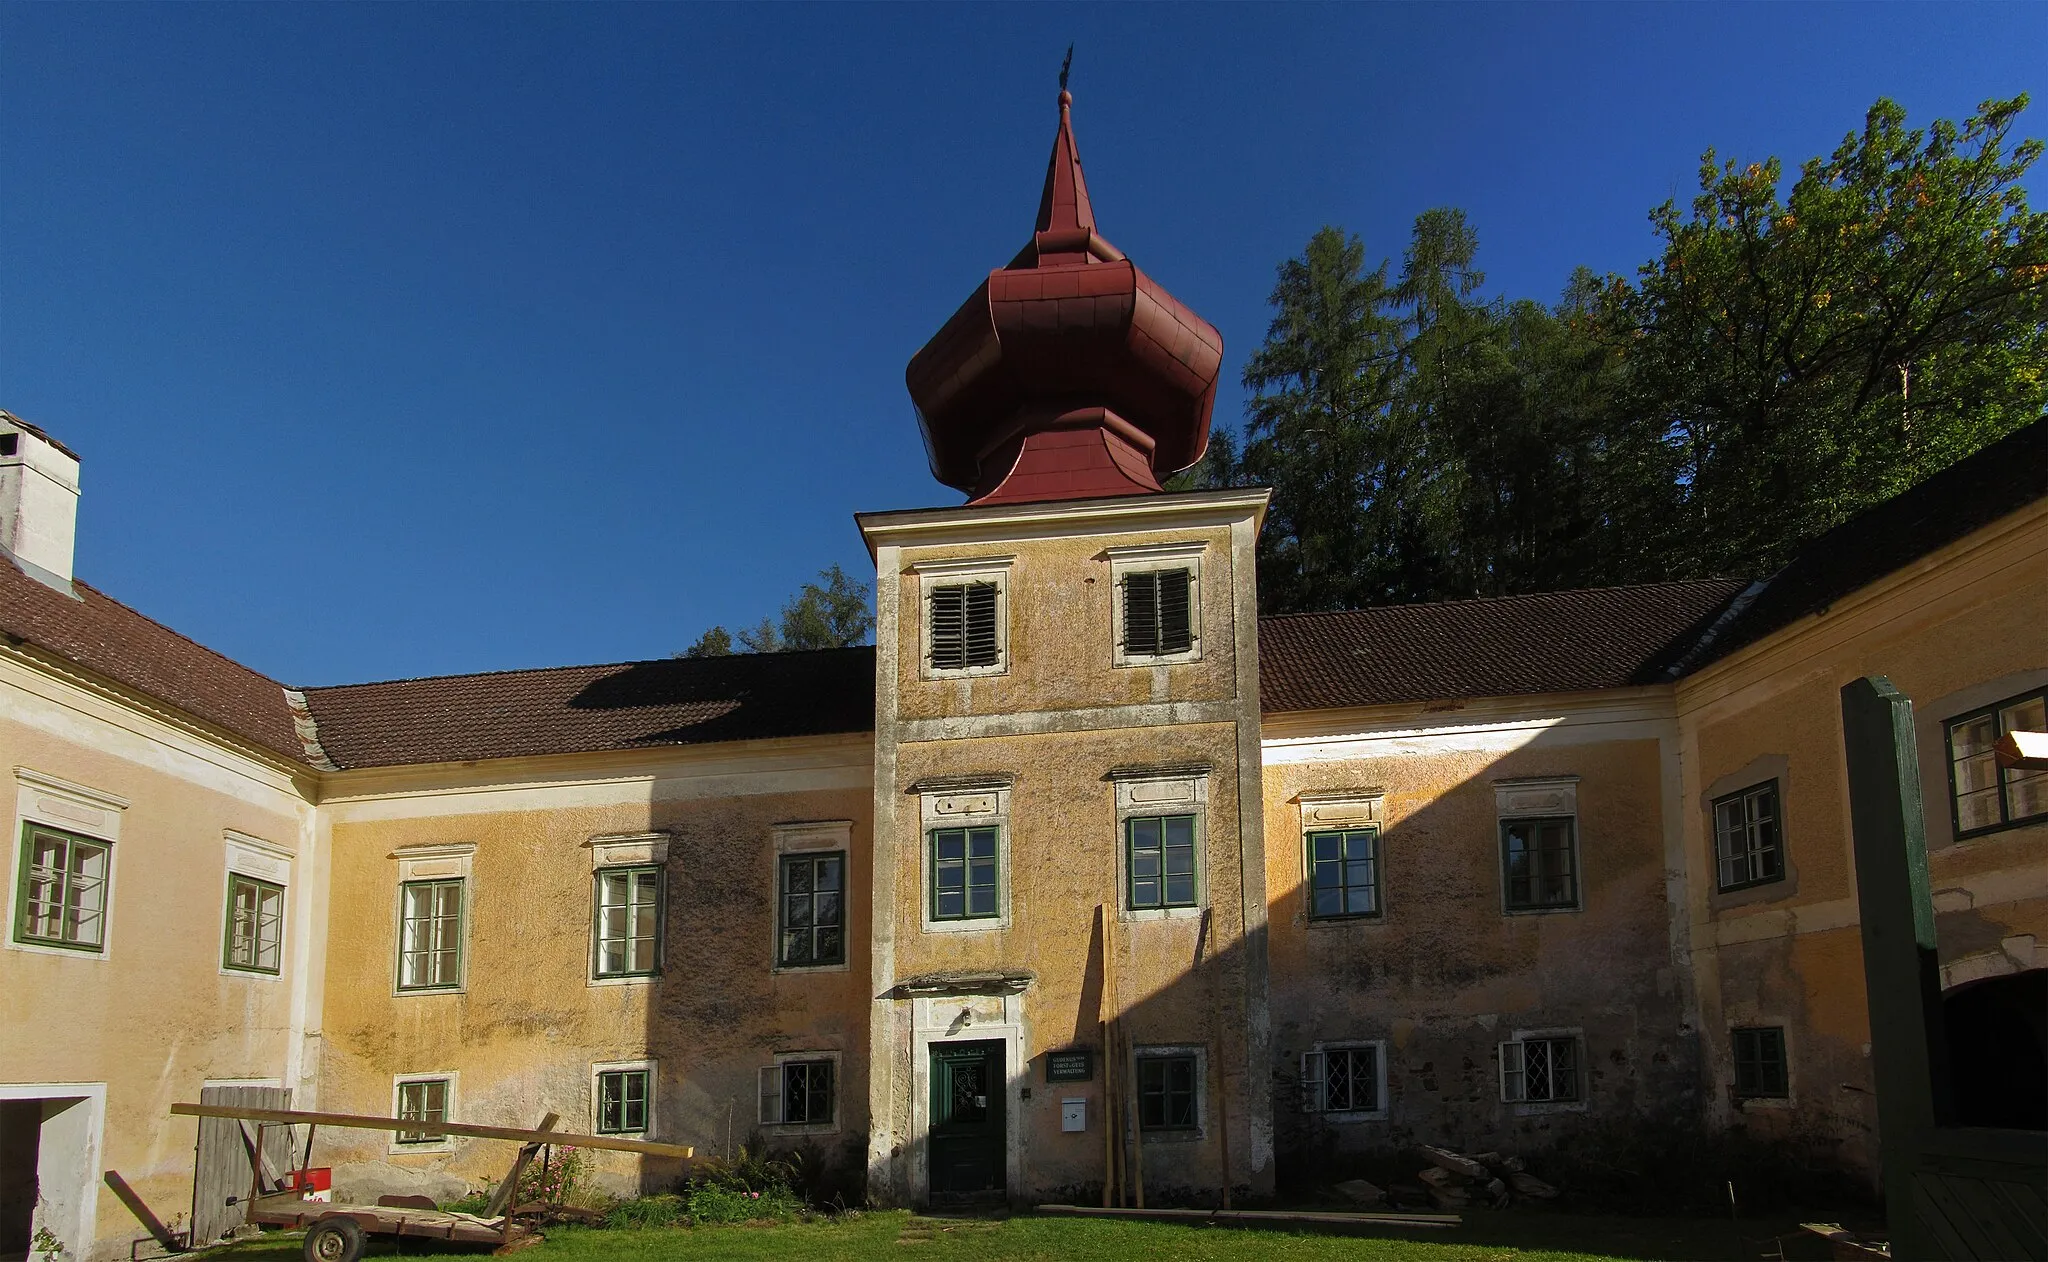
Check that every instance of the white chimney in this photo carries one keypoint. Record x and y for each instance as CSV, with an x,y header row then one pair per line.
x,y
38,502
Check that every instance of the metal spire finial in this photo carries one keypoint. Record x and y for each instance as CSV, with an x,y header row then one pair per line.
x,y
1065,66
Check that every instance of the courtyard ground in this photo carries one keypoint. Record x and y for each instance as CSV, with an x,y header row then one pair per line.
x,y
1486,1236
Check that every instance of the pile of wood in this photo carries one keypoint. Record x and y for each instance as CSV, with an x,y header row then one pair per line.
x,y
1456,1180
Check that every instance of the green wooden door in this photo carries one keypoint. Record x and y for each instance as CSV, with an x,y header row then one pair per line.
x,y
966,1134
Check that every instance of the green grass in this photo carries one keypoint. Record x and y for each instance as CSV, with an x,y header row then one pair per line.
x,y
1486,1236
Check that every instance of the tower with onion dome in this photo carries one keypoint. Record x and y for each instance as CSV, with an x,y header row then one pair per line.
x,y
1069,868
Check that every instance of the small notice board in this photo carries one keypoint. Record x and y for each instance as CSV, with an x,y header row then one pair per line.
x,y
1074,1064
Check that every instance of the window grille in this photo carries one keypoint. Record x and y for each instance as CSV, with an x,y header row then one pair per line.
x,y
1341,1080
1540,1071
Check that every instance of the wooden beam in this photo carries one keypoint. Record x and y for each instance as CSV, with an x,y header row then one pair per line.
x,y
139,1208
368,1122
501,1200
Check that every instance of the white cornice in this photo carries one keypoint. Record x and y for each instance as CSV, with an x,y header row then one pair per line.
x,y
1475,714
972,524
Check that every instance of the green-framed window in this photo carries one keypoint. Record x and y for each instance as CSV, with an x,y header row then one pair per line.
x,y
253,941
1167,1084
1984,797
966,873
813,930
430,935
626,932
1344,873
623,1097
1748,840
1160,858
423,1100
1760,1067
61,892
1158,613
1540,863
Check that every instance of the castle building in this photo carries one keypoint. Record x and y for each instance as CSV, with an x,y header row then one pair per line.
x,y
1083,867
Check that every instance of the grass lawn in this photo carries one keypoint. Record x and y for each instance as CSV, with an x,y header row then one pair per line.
x,y
1487,1236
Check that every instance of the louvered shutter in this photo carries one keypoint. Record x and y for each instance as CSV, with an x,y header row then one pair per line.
x,y
1141,614
1176,630
1313,1078
949,628
1511,1078
980,639
771,1096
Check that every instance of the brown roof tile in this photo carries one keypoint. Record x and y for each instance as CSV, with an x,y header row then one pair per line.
x,y
110,639
1516,645
576,709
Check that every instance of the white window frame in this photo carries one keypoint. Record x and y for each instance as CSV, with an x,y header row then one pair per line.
x,y
444,1144
801,837
648,1066
1166,792
1200,1130
1316,1103
985,805
442,862
780,1127
71,808
951,573
1524,1106
1546,797
1147,559
629,850
259,860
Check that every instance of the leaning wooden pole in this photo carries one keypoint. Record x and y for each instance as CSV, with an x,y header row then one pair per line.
x,y
1106,1007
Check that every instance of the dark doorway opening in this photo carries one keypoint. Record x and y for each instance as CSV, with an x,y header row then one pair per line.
x,y
967,1133
1998,1050
21,1132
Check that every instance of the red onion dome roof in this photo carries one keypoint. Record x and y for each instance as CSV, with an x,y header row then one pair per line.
x,y
1069,373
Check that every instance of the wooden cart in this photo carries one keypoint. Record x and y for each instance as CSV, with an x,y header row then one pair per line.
x,y
337,1232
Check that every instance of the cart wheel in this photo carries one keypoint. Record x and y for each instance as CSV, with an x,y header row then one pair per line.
x,y
334,1240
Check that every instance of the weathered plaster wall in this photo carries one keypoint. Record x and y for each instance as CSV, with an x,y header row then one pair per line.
x,y
1444,973
1959,630
522,1035
156,1017
1053,726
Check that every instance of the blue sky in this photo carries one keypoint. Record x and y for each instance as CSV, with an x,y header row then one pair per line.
x,y
404,340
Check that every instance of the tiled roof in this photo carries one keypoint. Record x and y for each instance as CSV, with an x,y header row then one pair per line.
x,y
576,709
1515,645
108,638
1967,496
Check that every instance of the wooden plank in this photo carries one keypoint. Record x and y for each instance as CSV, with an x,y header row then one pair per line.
x,y
363,1121
1315,1218
223,1173
502,1198
140,1208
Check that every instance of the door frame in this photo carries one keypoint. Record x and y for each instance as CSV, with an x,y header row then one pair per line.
x,y
68,1163
944,1028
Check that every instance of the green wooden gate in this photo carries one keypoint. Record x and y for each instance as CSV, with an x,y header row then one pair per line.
x,y
1951,1192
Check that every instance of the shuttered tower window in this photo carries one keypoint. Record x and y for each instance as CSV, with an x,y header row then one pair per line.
x,y
963,626
1157,613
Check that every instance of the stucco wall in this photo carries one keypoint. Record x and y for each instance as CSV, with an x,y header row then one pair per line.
x,y
1959,630
1053,727
523,1034
149,1022
1445,972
